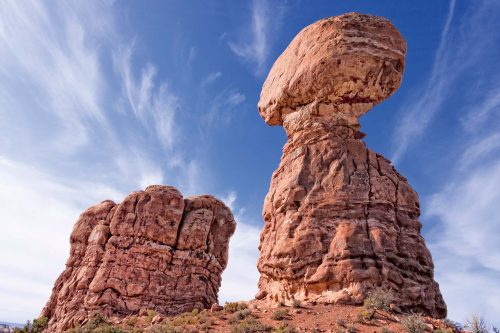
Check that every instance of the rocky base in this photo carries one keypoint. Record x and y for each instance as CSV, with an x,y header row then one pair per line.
x,y
254,317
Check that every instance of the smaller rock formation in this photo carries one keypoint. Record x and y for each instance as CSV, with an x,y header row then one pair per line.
x,y
339,220
154,251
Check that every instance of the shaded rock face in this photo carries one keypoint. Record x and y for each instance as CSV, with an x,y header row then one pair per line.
x,y
155,250
339,219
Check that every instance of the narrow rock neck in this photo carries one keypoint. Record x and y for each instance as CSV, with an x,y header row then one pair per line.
x,y
315,129
318,119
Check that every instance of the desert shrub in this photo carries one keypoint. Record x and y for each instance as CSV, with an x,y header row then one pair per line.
x,y
131,321
206,325
413,324
286,328
235,306
351,329
165,328
279,314
385,330
378,299
341,322
239,315
444,330
204,317
363,316
249,325
37,326
296,304
476,324
149,317
184,319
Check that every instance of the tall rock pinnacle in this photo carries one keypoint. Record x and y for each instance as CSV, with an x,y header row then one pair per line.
x,y
339,219
154,251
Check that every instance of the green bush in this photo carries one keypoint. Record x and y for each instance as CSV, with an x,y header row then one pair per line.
x,y
413,324
37,326
363,316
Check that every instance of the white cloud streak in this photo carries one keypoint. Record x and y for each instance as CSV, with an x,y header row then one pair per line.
x,y
425,104
255,47
73,133
464,240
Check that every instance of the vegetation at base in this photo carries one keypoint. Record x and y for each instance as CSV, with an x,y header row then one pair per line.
x,y
351,329
341,322
378,299
249,324
296,304
413,324
476,324
37,326
364,316
279,314
285,328
97,324
232,307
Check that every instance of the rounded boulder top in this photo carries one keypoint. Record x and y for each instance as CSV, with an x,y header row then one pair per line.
x,y
338,67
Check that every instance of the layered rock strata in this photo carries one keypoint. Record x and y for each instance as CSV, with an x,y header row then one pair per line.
x,y
154,251
339,219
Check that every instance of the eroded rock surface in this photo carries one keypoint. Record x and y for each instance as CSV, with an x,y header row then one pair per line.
x,y
154,251
339,219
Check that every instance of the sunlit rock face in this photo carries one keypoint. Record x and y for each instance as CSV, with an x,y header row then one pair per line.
x,y
154,251
339,219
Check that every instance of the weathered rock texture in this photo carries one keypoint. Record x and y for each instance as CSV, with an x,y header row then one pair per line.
x,y
339,219
155,250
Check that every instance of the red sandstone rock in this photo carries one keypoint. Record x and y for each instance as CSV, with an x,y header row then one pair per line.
x,y
339,219
154,251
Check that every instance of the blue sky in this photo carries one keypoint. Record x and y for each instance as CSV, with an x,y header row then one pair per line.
x,y
101,98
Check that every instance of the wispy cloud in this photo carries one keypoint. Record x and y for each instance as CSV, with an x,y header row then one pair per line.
x,y
463,239
75,130
155,107
60,63
212,77
422,108
465,246
254,47
223,108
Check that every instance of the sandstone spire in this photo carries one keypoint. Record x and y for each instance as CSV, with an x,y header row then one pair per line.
x,y
339,219
154,251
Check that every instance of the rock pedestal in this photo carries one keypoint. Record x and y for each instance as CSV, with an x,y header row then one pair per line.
x,y
339,219
154,251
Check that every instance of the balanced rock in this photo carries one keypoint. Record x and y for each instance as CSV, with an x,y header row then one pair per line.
x,y
154,251
339,219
